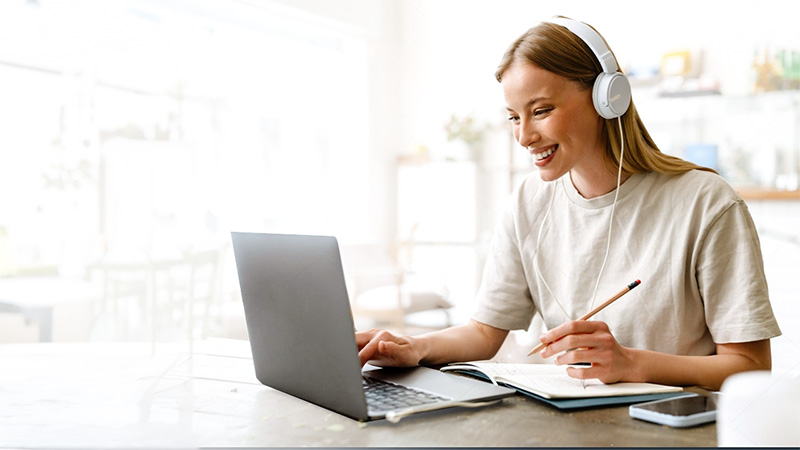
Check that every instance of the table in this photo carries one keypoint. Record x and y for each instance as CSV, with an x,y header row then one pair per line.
x,y
123,395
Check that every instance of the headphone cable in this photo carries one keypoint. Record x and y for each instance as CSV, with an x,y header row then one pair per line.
x,y
610,226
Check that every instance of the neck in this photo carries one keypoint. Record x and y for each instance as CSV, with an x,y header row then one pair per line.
x,y
594,183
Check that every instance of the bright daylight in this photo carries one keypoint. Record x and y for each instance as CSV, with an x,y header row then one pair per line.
x,y
138,135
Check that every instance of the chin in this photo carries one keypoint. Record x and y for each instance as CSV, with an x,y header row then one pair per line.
x,y
549,175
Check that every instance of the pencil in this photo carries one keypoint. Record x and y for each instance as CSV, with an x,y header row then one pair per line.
x,y
591,313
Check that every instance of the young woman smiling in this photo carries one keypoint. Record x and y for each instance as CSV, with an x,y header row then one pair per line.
x,y
607,207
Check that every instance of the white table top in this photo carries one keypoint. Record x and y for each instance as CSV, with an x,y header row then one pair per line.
x,y
93,395
106,395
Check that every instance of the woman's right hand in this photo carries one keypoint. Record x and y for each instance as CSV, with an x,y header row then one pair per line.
x,y
382,348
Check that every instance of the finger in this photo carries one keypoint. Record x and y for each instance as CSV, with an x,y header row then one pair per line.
x,y
575,356
568,343
394,352
572,327
386,355
388,351
365,354
596,371
369,350
581,373
383,348
363,337
570,335
559,332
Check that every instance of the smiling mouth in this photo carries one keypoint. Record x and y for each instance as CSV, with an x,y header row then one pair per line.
x,y
544,154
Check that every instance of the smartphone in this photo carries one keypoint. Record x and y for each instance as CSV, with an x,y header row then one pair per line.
x,y
678,412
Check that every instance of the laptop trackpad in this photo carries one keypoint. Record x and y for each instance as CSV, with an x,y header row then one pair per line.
x,y
455,387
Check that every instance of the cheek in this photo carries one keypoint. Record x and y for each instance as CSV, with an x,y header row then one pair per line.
x,y
587,132
593,126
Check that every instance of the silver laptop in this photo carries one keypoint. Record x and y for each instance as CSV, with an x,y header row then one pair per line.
x,y
302,336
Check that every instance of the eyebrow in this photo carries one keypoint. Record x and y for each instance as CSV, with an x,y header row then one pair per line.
x,y
531,102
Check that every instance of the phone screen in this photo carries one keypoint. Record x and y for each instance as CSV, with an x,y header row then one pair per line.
x,y
682,406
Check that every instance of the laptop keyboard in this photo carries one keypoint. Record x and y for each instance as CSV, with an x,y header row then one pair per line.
x,y
384,396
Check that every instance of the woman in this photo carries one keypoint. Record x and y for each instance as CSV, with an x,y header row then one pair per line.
x,y
589,225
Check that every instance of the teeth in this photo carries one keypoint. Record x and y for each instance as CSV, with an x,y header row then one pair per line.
x,y
545,154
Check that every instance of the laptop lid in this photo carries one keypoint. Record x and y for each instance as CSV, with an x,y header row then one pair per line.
x,y
301,329
298,318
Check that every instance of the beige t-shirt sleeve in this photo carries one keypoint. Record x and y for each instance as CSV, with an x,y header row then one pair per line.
x,y
730,276
504,299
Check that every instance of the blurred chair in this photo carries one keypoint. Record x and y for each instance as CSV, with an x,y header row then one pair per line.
x,y
383,291
204,288
185,291
172,294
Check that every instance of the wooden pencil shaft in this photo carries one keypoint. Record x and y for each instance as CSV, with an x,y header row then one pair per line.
x,y
619,294
536,349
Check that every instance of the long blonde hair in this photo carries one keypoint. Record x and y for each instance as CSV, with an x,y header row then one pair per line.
x,y
556,49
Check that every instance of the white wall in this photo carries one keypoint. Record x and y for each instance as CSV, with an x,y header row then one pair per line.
x,y
426,60
437,58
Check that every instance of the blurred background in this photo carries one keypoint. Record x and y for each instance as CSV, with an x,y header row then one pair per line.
x,y
136,135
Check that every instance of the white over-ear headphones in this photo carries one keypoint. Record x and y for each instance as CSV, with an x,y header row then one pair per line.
x,y
611,96
612,90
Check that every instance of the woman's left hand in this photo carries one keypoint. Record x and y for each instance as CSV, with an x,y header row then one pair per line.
x,y
583,341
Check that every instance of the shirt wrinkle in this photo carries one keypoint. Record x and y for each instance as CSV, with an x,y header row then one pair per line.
x,y
664,224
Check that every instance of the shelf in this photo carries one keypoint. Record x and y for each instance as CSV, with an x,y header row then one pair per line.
x,y
768,194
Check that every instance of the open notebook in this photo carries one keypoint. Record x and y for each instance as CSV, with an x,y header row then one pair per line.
x,y
551,384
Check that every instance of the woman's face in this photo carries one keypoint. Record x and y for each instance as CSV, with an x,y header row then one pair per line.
x,y
555,120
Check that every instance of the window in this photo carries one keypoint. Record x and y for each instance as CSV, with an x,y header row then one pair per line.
x,y
147,127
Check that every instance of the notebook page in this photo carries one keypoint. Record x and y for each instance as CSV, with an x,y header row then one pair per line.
x,y
551,381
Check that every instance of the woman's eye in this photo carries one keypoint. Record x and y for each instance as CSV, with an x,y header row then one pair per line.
x,y
513,119
542,111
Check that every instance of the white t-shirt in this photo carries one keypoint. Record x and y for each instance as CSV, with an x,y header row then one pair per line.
x,y
689,238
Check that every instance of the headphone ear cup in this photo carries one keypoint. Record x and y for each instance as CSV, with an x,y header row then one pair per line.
x,y
611,94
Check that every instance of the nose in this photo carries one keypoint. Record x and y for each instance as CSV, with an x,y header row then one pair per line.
x,y
527,133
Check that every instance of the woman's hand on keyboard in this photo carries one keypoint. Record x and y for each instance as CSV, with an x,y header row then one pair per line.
x,y
382,348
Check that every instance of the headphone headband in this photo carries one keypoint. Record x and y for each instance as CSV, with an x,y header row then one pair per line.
x,y
592,39
611,93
